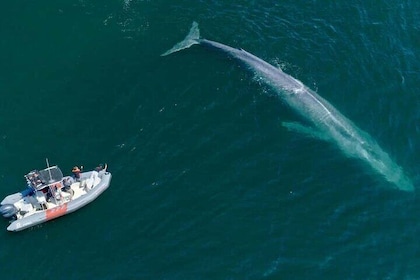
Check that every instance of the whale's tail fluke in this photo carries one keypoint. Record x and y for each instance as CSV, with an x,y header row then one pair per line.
x,y
191,39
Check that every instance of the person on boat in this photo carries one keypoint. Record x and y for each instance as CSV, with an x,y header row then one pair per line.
x,y
67,182
34,178
37,179
101,167
76,173
95,173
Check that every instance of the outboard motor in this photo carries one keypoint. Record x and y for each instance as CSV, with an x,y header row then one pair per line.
x,y
8,210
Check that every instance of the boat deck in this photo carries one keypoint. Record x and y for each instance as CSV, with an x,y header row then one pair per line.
x,y
37,203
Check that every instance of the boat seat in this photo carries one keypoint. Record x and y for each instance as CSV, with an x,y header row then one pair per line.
x,y
67,195
40,197
88,183
26,206
40,200
93,180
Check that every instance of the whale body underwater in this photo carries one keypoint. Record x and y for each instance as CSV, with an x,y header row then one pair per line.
x,y
326,122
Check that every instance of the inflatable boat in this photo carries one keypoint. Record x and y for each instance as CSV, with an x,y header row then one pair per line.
x,y
50,195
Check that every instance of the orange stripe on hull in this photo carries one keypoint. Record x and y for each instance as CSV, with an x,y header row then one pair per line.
x,y
56,212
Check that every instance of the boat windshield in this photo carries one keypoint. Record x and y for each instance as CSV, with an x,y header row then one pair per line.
x,y
46,177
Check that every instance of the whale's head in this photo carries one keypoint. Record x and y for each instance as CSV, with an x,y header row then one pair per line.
x,y
384,165
401,180
358,144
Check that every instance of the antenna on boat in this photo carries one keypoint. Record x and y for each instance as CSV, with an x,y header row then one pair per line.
x,y
49,170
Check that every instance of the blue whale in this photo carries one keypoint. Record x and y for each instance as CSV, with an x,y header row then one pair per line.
x,y
325,122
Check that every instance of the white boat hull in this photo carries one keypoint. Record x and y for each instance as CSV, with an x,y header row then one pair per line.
x,y
33,210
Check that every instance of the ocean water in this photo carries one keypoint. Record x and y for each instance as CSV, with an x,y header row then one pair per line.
x,y
207,183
